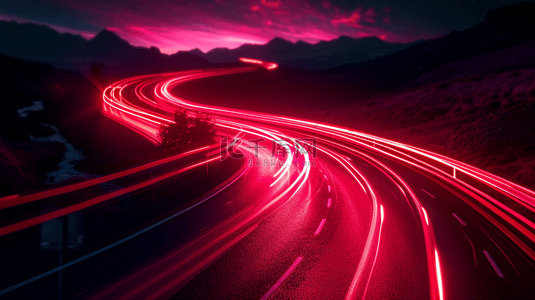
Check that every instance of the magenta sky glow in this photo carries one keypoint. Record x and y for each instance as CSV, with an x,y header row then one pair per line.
x,y
173,26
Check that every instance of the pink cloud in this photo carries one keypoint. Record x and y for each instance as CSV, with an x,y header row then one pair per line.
x,y
173,26
271,3
352,20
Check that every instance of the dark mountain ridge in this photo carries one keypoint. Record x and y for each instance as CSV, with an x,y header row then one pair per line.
x,y
69,102
68,51
502,28
306,56
40,43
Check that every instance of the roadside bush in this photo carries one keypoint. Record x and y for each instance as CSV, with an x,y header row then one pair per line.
x,y
188,130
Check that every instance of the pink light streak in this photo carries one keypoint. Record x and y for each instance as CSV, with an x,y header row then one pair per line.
x,y
339,140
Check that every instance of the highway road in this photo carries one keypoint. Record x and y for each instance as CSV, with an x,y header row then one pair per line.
x,y
280,208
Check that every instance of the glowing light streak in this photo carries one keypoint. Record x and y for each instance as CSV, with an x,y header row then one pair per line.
x,y
12,201
320,227
79,206
146,112
267,65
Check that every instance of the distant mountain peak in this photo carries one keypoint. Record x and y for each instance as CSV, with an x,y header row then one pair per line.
x,y
155,50
279,42
344,37
371,38
108,38
196,51
279,39
347,40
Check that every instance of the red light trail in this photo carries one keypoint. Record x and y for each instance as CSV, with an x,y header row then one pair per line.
x,y
267,65
332,136
144,103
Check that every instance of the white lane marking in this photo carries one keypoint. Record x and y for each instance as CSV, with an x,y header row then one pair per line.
x,y
428,193
329,188
279,282
459,219
321,171
320,227
229,202
325,176
329,202
494,265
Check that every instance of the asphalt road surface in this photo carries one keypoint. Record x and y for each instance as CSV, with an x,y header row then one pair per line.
x,y
280,208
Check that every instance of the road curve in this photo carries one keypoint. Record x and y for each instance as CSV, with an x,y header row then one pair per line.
x,y
281,208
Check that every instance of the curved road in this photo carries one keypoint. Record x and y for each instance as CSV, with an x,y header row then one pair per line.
x,y
281,208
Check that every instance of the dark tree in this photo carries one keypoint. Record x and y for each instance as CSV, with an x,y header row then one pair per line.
x,y
187,131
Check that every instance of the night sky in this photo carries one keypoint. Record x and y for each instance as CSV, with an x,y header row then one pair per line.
x,y
182,25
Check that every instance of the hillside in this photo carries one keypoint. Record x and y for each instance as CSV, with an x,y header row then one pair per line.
x,y
305,56
67,51
503,28
485,120
49,116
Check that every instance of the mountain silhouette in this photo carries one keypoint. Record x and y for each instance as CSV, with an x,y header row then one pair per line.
x,y
306,56
35,42
107,39
68,51
43,44
502,28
